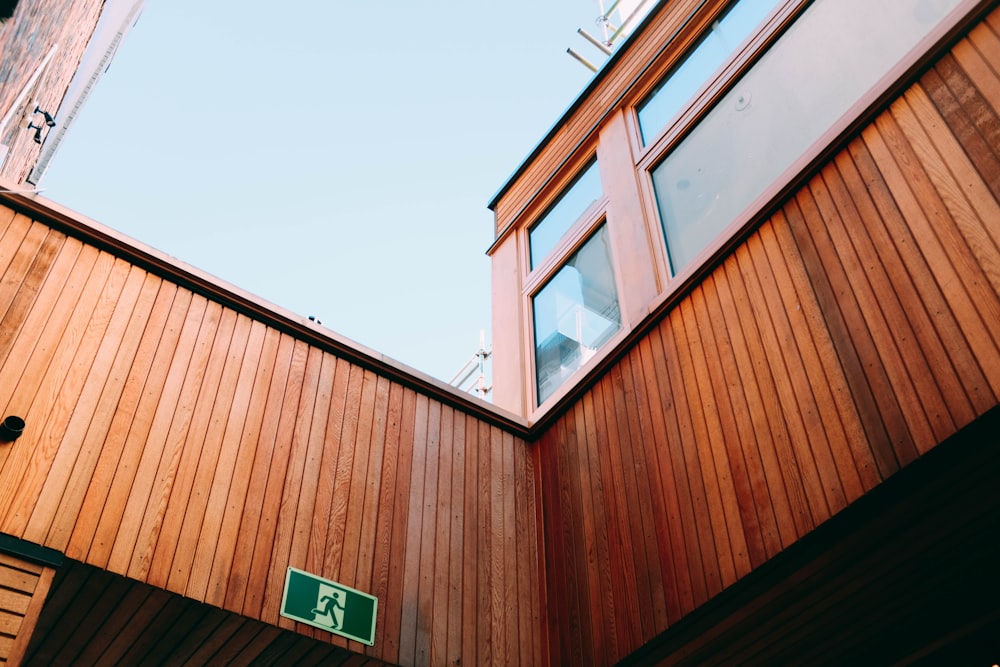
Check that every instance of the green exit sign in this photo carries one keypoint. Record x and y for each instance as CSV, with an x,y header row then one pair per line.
x,y
328,605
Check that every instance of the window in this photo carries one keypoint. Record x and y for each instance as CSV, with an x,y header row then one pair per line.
x,y
830,57
570,283
674,93
563,214
575,313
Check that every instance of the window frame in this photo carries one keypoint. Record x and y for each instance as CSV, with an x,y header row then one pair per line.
x,y
534,279
712,90
648,156
621,215
537,286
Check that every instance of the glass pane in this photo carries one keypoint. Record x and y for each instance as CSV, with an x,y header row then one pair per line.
x,y
575,313
673,94
558,220
807,80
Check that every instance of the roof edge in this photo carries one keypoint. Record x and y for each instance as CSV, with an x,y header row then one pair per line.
x,y
595,80
214,288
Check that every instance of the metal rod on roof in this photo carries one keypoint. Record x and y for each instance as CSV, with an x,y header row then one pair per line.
x,y
593,40
583,61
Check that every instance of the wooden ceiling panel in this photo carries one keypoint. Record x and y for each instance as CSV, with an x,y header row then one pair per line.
x,y
94,617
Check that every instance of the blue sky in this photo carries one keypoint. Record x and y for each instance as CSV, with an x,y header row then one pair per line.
x,y
335,160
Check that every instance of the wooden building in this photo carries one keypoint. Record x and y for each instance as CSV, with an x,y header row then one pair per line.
x,y
746,294
747,368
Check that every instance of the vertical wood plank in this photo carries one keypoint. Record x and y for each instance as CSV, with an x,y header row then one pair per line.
x,y
272,499
673,559
500,637
736,446
314,434
28,250
71,470
796,455
57,391
374,479
196,506
344,482
597,605
388,465
251,514
813,452
137,401
398,555
636,475
620,556
426,552
289,503
414,526
471,553
440,535
319,536
237,497
457,563
123,511
710,524
834,407
756,504
511,601
948,258
40,272
355,517
687,495
164,468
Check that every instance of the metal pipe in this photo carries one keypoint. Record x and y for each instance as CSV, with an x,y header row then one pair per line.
x,y
593,40
583,61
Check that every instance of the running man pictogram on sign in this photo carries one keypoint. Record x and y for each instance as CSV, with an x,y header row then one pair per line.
x,y
330,606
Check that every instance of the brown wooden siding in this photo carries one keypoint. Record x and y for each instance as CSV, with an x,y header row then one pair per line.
x,y
852,332
23,588
94,617
190,446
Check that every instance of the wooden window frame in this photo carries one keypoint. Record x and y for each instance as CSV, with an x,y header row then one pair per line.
x,y
649,155
534,279
659,148
670,284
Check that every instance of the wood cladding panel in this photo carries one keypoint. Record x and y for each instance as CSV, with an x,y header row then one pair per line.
x,y
183,444
24,586
849,334
97,618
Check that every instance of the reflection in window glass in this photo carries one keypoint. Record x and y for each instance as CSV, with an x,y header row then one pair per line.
x,y
572,203
575,313
798,89
671,95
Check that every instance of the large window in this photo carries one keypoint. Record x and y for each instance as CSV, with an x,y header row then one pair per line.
x,y
575,313
830,57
